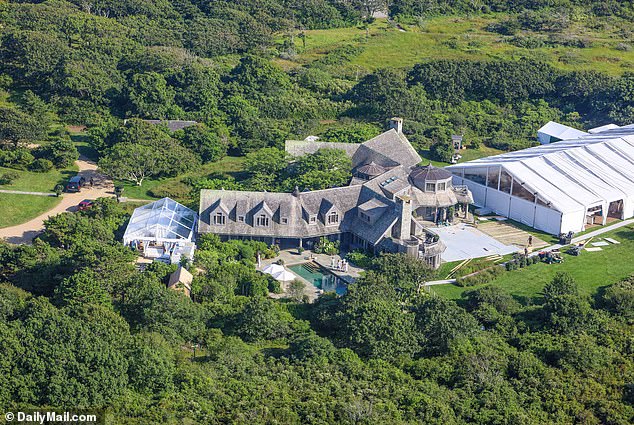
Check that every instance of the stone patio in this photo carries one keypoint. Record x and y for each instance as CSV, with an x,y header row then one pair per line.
x,y
464,241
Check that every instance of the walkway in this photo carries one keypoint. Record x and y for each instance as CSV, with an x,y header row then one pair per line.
x,y
21,192
25,232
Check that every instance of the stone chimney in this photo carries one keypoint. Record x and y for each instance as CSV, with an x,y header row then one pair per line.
x,y
404,224
397,124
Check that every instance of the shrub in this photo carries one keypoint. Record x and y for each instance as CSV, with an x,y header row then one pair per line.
x,y
325,246
360,258
442,151
8,177
480,278
624,47
41,165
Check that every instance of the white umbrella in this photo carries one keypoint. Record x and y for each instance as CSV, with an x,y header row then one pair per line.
x,y
284,276
272,269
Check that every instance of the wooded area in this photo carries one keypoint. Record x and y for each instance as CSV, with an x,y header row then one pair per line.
x,y
80,326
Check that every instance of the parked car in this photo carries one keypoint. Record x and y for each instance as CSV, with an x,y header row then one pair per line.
x,y
85,204
75,184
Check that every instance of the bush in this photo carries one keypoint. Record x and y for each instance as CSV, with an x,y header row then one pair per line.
x,y
19,158
274,285
325,246
480,278
360,258
8,177
62,152
442,151
41,165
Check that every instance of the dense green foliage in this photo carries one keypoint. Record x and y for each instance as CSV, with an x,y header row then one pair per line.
x,y
94,331
82,326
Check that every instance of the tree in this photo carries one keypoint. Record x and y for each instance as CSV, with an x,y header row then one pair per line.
x,y
62,152
205,142
564,309
151,97
19,127
442,151
296,290
131,161
323,169
82,287
265,167
262,319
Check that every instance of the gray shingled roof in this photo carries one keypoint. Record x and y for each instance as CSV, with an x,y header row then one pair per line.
x,y
389,149
420,175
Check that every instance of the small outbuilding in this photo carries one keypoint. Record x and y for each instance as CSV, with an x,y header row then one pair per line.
x,y
181,280
163,230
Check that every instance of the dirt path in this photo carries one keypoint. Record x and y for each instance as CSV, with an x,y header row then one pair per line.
x,y
25,232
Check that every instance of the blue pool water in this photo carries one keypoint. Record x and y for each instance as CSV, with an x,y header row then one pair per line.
x,y
320,277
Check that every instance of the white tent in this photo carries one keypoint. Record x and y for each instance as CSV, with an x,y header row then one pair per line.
x,y
554,132
558,187
163,228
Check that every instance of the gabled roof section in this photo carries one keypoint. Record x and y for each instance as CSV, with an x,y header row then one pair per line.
x,y
389,149
164,219
560,131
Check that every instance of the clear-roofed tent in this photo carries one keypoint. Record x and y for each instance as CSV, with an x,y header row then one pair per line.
x,y
558,187
163,229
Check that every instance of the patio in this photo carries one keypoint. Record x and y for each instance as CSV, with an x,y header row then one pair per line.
x,y
464,241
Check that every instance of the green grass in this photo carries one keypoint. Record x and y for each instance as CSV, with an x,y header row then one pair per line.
x,y
38,182
83,145
229,166
18,209
591,270
450,37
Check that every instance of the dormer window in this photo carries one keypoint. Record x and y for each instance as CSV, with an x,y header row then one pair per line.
x,y
430,187
241,219
262,220
364,216
442,186
312,219
219,219
333,218
284,220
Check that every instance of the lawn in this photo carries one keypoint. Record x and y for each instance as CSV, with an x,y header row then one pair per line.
x,y
18,209
38,182
229,166
450,37
591,270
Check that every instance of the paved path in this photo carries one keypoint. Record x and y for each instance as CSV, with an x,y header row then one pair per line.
x,y
25,232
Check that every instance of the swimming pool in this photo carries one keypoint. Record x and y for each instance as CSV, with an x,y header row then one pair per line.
x,y
320,277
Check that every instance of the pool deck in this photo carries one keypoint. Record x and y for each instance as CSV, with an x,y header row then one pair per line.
x,y
292,257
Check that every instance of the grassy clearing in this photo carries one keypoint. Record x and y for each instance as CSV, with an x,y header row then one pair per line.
x,y
18,209
38,182
591,270
229,166
461,38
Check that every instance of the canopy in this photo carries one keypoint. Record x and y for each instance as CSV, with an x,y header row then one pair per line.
x,y
164,220
272,269
284,276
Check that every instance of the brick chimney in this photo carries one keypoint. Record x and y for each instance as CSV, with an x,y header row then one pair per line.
x,y
397,124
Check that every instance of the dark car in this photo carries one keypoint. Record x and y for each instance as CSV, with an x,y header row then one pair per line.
x,y
85,204
75,184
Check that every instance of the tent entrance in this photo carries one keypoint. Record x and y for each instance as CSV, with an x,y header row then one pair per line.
x,y
615,210
594,215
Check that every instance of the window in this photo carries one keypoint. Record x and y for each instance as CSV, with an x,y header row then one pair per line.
x,y
262,220
505,182
430,187
521,192
284,220
333,218
219,219
442,186
476,175
312,219
241,218
494,177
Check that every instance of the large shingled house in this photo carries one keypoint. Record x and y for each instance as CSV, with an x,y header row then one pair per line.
x,y
385,208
